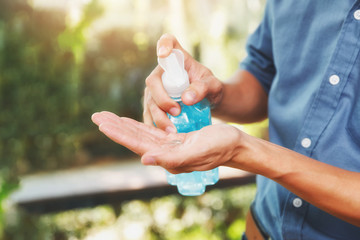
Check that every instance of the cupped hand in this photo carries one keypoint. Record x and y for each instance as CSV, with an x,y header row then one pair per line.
x,y
157,102
200,150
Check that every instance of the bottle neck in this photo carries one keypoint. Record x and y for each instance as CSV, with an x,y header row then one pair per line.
x,y
176,99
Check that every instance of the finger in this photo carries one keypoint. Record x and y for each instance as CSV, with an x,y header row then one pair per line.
x,y
166,43
107,117
99,118
135,126
209,87
134,135
158,93
124,137
147,118
160,119
159,158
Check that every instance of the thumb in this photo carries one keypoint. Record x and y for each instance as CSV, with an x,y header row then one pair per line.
x,y
152,160
165,158
208,87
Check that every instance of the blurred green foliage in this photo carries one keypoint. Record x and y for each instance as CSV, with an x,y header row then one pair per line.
x,y
51,82
216,215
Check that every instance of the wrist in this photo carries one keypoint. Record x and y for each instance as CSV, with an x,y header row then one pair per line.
x,y
242,154
254,155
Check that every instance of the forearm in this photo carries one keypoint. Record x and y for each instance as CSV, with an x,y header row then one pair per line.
x,y
243,100
331,189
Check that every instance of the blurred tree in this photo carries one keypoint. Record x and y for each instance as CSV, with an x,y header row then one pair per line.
x,y
34,79
51,81
113,77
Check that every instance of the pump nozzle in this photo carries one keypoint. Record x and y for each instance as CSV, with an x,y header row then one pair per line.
x,y
175,79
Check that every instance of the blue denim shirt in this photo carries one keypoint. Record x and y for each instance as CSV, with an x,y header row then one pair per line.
x,y
306,54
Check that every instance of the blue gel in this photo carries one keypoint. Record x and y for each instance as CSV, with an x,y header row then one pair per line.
x,y
190,119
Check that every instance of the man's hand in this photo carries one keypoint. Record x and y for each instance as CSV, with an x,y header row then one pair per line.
x,y
157,102
184,152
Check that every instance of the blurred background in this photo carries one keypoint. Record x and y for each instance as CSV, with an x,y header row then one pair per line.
x,y
61,61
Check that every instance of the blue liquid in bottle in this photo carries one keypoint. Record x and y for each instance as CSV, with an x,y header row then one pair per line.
x,y
193,118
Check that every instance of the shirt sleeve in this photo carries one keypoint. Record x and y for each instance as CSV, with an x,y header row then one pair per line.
x,y
259,60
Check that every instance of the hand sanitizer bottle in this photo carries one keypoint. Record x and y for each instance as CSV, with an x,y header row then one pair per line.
x,y
175,80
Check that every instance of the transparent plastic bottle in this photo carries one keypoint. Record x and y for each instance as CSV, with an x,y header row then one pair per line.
x,y
175,80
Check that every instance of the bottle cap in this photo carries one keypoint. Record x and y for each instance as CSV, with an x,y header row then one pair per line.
x,y
175,79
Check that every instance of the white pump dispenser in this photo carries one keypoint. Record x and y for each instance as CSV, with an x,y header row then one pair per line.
x,y
175,78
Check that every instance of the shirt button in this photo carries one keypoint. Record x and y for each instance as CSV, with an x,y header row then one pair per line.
x,y
306,142
357,14
297,202
334,79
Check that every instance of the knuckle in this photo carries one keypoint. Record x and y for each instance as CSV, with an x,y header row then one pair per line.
x,y
201,87
218,89
159,104
149,81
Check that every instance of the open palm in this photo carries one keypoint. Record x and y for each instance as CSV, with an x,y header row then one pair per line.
x,y
177,152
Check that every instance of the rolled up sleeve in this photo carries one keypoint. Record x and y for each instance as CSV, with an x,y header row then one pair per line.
x,y
259,60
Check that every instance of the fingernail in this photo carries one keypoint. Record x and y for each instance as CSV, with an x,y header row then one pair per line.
x,y
162,51
189,96
149,161
170,129
174,111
